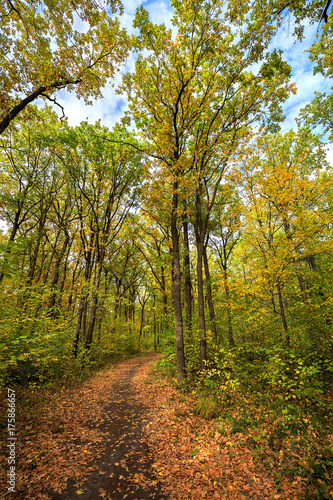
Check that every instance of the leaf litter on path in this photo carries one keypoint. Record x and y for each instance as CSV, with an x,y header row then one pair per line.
x,y
125,435
87,443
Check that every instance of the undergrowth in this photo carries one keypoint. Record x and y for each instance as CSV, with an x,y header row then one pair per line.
x,y
276,404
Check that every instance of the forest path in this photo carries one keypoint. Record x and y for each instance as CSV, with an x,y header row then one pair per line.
x,y
126,435
124,471
88,441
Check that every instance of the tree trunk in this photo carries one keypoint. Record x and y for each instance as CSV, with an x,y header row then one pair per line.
x,y
299,274
64,275
117,302
56,276
165,296
34,257
92,319
143,304
187,283
82,306
176,279
210,296
94,306
154,324
283,314
14,230
231,339
201,307
199,237
133,295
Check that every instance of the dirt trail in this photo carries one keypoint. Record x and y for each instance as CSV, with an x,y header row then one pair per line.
x,y
124,471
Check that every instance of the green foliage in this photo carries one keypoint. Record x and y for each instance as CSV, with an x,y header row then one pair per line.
x,y
207,406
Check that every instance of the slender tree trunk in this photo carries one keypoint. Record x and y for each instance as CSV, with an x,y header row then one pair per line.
x,y
155,334
143,304
83,305
176,278
165,301
199,237
34,257
92,319
117,304
201,307
53,253
64,275
301,281
231,339
154,323
84,320
56,277
78,325
74,277
165,296
133,295
299,274
14,230
94,306
283,313
210,295
187,283
312,263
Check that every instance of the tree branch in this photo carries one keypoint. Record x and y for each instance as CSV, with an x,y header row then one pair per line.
x,y
30,98
56,103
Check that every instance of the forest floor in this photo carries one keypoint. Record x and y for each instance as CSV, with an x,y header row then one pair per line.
x,y
129,434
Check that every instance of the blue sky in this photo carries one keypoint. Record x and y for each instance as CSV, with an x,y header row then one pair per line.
x,y
110,109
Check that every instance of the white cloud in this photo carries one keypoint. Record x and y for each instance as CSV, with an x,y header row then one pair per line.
x,y
79,24
292,113
160,12
302,69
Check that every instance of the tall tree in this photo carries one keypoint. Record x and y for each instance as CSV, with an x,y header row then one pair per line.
x,y
193,93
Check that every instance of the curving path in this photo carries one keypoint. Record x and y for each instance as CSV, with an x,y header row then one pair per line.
x,y
124,472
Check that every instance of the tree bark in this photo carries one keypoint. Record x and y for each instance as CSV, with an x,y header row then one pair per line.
x,y
231,339
14,230
201,307
299,274
143,304
176,279
210,295
82,305
56,277
199,236
187,282
283,314
30,98
92,319
94,306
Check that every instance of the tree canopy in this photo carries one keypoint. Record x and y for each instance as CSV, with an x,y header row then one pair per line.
x,y
47,46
